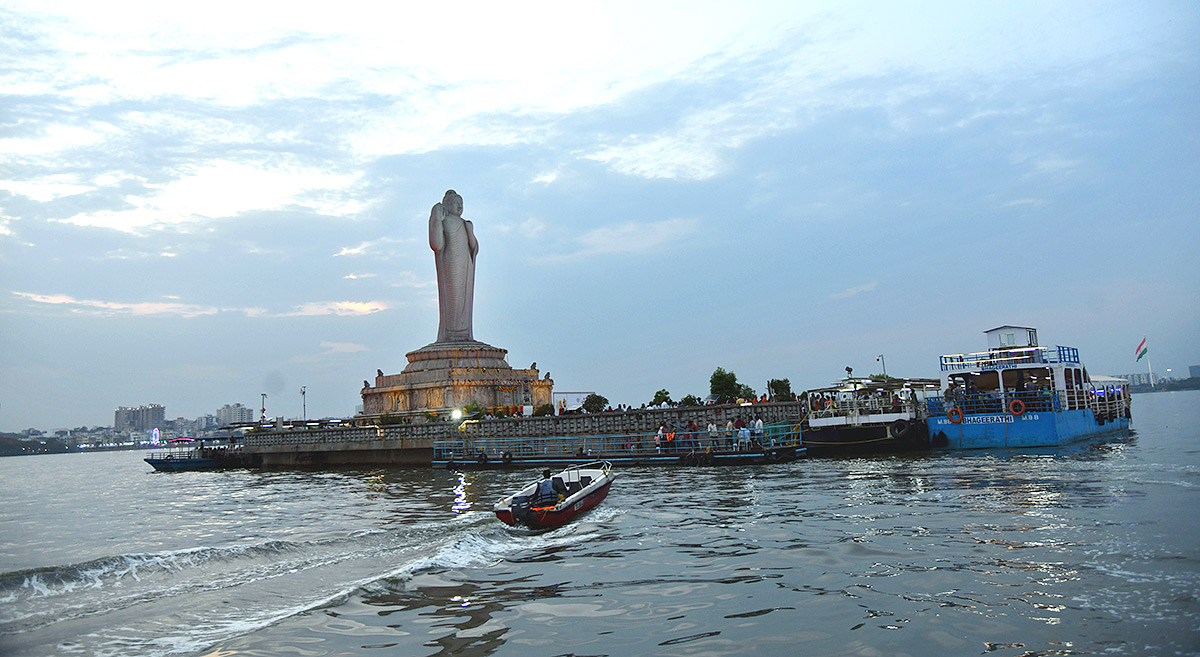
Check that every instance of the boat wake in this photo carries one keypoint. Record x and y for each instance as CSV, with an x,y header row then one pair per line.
x,y
186,601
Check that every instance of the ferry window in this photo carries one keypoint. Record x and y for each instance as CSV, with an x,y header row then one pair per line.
x,y
1070,379
1026,379
986,382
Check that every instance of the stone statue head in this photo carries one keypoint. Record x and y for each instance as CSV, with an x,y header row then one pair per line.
x,y
452,203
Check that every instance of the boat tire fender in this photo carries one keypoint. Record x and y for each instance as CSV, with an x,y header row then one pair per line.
x,y
955,415
899,428
482,457
1017,407
507,457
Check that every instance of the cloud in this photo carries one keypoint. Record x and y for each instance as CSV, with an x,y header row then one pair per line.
x,y
408,279
1033,202
223,188
370,247
343,347
629,237
185,310
95,307
331,351
849,292
340,308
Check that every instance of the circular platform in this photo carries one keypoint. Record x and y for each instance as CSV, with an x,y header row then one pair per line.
x,y
445,355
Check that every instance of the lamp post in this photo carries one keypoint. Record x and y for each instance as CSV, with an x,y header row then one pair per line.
x,y
264,407
880,359
303,404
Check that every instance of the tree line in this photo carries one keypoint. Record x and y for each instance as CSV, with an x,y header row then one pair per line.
x,y
723,388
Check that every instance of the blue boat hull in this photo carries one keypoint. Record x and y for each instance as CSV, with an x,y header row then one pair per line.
x,y
1030,429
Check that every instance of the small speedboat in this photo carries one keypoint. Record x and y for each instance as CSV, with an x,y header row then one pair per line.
x,y
553,500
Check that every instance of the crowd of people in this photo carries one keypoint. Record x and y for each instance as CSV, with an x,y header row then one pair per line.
x,y
738,433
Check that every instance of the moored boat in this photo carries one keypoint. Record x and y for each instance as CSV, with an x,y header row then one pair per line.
x,y
1019,394
861,415
203,454
554,500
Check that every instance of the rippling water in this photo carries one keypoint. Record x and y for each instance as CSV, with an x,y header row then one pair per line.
x,y
1088,549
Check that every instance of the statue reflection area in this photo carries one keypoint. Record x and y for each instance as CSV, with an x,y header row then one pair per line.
x,y
456,370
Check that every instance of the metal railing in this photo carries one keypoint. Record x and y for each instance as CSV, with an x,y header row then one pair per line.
x,y
1009,358
678,441
1108,403
995,402
864,407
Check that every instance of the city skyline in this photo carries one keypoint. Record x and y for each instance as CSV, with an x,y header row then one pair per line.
x,y
195,210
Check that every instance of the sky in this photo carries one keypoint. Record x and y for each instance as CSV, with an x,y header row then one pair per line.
x,y
202,203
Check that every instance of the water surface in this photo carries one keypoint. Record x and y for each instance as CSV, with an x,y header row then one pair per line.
x,y
1088,549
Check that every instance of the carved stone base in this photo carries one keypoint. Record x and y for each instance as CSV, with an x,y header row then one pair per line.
x,y
447,375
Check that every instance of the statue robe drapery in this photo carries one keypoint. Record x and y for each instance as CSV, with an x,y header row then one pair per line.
x,y
453,242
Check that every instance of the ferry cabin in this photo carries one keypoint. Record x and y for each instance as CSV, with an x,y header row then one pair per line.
x,y
1019,394
867,415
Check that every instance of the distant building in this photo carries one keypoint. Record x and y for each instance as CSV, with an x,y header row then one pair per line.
x,y
1138,379
1194,371
207,422
139,418
228,415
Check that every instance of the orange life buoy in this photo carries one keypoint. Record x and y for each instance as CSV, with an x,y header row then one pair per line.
x,y
955,415
1016,407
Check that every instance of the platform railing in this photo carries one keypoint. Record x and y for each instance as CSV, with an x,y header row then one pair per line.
x,y
678,441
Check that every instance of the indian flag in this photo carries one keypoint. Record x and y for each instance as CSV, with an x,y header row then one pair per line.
x,y
1141,349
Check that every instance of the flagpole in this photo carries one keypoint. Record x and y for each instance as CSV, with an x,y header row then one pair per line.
x,y
1150,367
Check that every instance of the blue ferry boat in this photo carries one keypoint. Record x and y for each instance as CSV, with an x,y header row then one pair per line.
x,y
1019,394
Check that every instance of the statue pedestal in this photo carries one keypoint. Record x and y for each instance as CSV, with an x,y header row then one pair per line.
x,y
447,375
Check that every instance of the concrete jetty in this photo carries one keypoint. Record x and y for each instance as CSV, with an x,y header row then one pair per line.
x,y
368,443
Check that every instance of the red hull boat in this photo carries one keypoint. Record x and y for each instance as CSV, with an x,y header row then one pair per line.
x,y
577,489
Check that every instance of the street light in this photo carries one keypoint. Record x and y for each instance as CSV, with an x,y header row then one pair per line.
x,y
880,359
303,404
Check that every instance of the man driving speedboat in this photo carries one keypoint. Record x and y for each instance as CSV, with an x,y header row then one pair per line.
x,y
549,491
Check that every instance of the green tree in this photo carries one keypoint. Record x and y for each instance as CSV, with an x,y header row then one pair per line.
x,y
724,385
544,409
690,400
594,403
746,392
660,397
780,390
